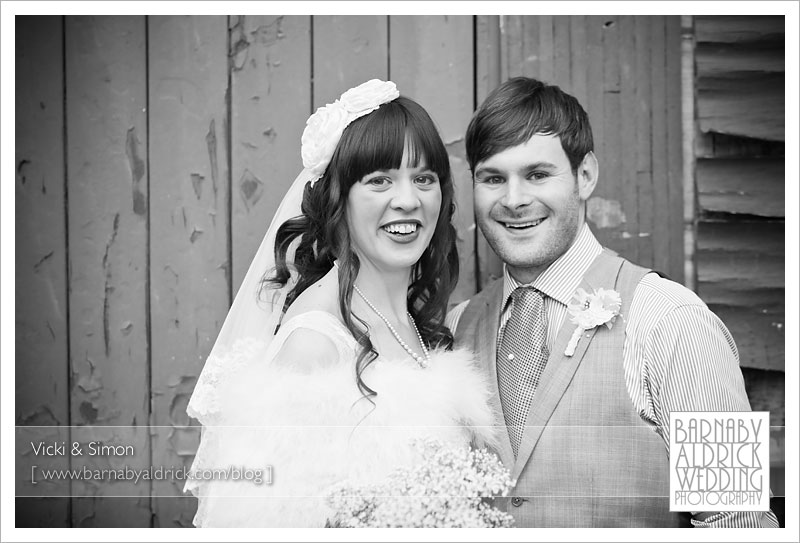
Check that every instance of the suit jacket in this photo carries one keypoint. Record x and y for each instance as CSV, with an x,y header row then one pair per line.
x,y
586,457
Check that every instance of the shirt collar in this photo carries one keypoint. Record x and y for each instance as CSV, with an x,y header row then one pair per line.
x,y
563,277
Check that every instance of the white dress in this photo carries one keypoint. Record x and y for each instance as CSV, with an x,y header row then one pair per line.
x,y
313,427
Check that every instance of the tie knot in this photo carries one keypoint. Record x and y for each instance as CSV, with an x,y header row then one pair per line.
x,y
526,295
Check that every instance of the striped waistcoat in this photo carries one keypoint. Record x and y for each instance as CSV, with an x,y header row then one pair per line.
x,y
586,458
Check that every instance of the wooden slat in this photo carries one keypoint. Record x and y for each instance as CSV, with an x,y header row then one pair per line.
x,y
629,139
728,185
711,145
608,196
41,382
189,261
348,50
715,59
659,120
107,191
741,276
738,28
674,129
579,58
515,38
543,46
489,67
443,85
270,101
644,135
744,104
562,53
594,77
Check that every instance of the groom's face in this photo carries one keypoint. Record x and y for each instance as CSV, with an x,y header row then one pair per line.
x,y
529,203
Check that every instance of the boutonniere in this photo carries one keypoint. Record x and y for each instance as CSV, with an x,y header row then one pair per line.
x,y
590,311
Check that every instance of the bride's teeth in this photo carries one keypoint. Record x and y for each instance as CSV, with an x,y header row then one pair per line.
x,y
401,228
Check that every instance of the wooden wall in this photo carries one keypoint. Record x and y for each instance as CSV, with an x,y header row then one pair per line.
x,y
741,201
152,152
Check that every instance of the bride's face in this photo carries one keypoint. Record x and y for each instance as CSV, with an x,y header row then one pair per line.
x,y
392,214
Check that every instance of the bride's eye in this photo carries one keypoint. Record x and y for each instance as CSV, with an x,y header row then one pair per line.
x,y
378,181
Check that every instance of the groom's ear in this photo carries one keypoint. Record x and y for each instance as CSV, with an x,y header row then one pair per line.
x,y
587,174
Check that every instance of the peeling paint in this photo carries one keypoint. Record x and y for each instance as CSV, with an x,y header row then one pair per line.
x,y
109,289
137,167
42,415
269,34
42,260
239,47
197,184
604,213
211,144
250,188
20,175
270,133
88,412
126,328
196,233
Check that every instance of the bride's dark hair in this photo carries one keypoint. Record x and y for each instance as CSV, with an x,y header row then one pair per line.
x,y
370,143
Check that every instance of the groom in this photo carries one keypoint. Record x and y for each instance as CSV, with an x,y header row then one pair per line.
x,y
587,412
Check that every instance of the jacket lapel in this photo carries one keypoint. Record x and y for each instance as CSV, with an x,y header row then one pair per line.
x,y
487,344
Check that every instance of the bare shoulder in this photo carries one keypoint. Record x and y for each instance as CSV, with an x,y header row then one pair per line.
x,y
321,296
307,350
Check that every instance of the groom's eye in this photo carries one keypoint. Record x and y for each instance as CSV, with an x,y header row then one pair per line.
x,y
491,180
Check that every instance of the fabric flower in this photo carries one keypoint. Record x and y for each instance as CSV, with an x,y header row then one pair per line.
x,y
591,310
368,96
321,136
324,128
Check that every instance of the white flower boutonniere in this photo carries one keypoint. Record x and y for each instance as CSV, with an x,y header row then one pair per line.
x,y
592,310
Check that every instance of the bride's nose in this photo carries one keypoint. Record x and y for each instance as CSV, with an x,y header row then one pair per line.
x,y
405,196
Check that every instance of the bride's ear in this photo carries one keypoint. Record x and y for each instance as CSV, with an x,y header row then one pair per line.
x,y
587,174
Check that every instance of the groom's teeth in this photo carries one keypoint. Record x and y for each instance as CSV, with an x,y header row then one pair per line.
x,y
524,224
401,228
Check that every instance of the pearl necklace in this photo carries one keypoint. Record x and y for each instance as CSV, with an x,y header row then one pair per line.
x,y
423,362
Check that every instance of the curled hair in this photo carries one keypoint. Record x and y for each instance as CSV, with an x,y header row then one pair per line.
x,y
522,107
371,143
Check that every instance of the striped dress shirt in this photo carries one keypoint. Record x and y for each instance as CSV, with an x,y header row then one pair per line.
x,y
678,355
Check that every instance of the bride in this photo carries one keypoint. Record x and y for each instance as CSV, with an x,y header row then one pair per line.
x,y
334,356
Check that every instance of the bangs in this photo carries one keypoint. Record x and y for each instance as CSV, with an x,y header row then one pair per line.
x,y
377,141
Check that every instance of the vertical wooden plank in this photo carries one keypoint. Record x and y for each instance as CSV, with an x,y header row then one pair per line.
x,y
579,58
515,34
562,54
189,259
443,84
543,25
348,50
674,147
605,209
594,79
107,224
644,134
270,101
628,138
489,66
658,119
41,359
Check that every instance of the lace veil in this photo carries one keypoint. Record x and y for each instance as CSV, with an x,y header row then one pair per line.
x,y
253,317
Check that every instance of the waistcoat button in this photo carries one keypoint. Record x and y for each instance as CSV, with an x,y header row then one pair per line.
x,y
516,502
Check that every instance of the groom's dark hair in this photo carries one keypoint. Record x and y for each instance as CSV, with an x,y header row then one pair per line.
x,y
522,107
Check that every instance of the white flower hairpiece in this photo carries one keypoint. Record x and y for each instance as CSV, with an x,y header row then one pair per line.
x,y
592,310
324,128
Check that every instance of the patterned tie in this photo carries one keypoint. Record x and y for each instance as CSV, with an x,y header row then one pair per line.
x,y
521,359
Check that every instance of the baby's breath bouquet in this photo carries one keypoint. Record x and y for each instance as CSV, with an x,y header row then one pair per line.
x,y
449,489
